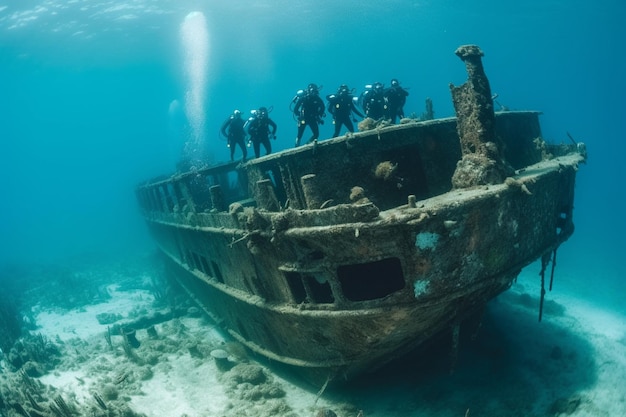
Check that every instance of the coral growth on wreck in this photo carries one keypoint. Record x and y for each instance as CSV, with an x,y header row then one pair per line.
x,y
385,170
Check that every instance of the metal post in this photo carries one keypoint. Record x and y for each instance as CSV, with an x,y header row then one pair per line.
x,y
266,197
311,192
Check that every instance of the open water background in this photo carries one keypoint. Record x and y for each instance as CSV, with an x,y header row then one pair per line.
x,y
93,96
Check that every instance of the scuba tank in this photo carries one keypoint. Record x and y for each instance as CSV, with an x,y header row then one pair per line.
x,y
299,94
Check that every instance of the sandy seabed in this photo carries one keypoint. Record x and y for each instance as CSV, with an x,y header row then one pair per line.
x,y
573,363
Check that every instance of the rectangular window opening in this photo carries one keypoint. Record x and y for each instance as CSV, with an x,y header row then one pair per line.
x,y
372,280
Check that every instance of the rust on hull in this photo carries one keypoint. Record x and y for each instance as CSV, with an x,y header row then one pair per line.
x,y
340,256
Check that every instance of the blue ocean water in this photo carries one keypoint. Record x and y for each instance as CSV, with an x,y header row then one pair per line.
x,y
97,96
87,86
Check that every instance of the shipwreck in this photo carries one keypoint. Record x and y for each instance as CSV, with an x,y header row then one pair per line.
x,y
339,256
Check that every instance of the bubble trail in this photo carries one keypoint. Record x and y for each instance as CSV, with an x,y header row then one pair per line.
x,y
195,42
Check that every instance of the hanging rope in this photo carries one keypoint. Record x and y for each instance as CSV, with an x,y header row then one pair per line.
x,y
553,266
545,260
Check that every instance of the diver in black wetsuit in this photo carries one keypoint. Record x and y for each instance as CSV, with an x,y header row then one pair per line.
x,y
309,110
374,102
396,98
341,106
233,130
259,130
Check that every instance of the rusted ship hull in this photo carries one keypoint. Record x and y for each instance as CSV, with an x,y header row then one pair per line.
x,y
338,257
347,288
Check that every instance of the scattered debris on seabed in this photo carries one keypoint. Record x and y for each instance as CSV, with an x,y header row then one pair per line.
x,y
129,345
113,339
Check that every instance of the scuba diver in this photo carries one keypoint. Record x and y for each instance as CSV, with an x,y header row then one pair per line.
x,y
309,111
341,106
374,102
396,97
233,130
258,126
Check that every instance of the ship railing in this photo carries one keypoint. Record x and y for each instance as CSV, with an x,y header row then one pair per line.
x,y
204,190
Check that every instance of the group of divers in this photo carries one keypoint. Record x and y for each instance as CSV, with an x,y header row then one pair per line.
x,y
377,102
